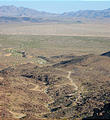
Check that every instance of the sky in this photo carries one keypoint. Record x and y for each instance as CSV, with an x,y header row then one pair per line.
x,y
59,6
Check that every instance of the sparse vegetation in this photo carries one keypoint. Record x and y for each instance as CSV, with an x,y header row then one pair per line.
x,y
54,77
36,45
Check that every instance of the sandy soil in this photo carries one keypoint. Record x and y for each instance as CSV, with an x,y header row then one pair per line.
x,y
57,29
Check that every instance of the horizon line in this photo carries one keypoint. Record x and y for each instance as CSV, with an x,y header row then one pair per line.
x,y
53,12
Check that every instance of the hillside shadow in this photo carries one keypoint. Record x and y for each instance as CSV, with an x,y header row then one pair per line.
x,y
106,54
100,114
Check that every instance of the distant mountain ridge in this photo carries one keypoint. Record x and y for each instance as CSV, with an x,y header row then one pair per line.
x,y
21,14
89,13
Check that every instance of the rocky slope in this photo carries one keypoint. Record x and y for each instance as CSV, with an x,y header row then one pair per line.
x,y
71,87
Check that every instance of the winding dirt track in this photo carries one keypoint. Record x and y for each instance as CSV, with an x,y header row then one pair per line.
x,y
75,86
37,88
71,81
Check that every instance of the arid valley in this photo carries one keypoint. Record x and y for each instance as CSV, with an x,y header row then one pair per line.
x,y
54,71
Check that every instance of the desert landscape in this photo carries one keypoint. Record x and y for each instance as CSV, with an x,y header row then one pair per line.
x,y
54,71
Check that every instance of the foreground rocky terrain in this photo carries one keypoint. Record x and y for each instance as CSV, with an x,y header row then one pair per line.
x,y
69,87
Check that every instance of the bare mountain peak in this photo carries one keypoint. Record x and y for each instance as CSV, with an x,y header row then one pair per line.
x,y
21,11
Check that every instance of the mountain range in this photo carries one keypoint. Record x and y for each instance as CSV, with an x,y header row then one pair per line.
x,y
21,14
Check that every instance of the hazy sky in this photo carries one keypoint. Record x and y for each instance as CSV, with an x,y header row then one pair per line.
x,y
59,6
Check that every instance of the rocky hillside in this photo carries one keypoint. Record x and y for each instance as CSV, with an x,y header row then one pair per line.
x,y
70,87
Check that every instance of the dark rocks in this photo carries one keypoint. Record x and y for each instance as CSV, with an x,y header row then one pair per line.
x,y
106,54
